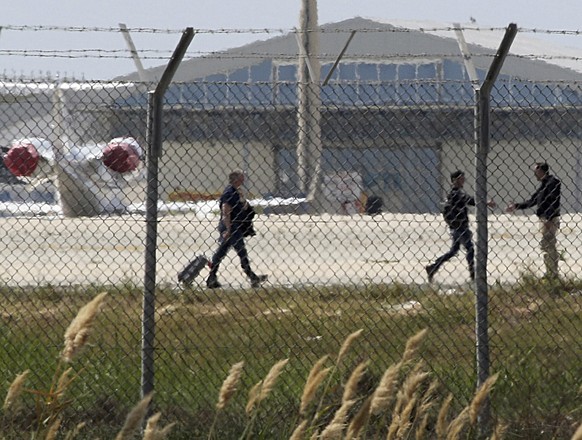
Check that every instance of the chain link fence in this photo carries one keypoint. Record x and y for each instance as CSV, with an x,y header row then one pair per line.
x,y
74,227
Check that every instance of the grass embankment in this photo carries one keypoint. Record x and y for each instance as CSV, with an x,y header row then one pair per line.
x,y
535,346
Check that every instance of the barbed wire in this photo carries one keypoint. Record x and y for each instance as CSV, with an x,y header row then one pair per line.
x,y
58,79
396,29
164,54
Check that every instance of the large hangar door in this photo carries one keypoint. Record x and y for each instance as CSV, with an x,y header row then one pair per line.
x,y
407,179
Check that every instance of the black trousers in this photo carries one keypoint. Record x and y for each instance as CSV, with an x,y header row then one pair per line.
x,y
235,240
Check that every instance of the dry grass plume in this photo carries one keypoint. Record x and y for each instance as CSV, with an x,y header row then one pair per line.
x,y
412,346
78,331
311,387
229,385
352,383
264,387
480,397
421,428
347,344
384,392
413,381
271,378
337,425
401,402
441,424
499,431
360,420
15,390
405,419
253,396
134,419
51,434
458,424
427,401
152,432
299,432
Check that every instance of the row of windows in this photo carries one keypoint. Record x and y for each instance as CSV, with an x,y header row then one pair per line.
x,y
362,93
350,71
421,82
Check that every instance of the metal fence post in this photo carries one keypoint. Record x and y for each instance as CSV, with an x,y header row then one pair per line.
x,y
154,145
482,126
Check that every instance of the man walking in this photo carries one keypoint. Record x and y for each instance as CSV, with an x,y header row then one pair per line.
x,y
457,217
235,223
547,200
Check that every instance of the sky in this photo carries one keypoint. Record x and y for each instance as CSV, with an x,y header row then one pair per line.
x,y
176,15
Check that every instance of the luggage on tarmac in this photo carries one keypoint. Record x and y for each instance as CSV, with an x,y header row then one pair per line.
x,y
192,269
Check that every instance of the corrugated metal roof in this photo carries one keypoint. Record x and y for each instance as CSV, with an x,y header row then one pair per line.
x,y
379,40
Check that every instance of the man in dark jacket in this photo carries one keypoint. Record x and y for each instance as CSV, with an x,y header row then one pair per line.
x,y
547,200
235,223
458,222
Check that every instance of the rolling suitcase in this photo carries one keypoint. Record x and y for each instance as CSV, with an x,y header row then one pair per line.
x,y
192,269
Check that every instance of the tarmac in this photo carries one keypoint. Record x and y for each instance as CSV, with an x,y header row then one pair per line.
x,y
294,250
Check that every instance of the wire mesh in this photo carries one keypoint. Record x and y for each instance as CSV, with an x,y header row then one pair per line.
x,y
75,226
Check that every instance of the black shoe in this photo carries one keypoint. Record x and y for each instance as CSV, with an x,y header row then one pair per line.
x,y
212,283
257,280
430,272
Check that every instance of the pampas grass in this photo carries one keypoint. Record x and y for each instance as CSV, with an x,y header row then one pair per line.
x,y
442,424
64,381
270,379
413,345
413,382
311,387
15,390
501,428
405,418
480,397
227,390
406,402
49,404
352,383
421,429
458,424
260,391
152,432
299,432
229,385
347,344
314,379
151,429
341,354
264,387
134,419
78,331
337,425
53,429
384,392
360,420
403,405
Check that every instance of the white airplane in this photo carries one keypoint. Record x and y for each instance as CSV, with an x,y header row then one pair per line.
x,y
87,180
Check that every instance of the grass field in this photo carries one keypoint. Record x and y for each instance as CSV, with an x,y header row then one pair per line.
x,y
535,346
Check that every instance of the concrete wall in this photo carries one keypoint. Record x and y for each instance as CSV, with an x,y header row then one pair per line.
x,y
203,167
